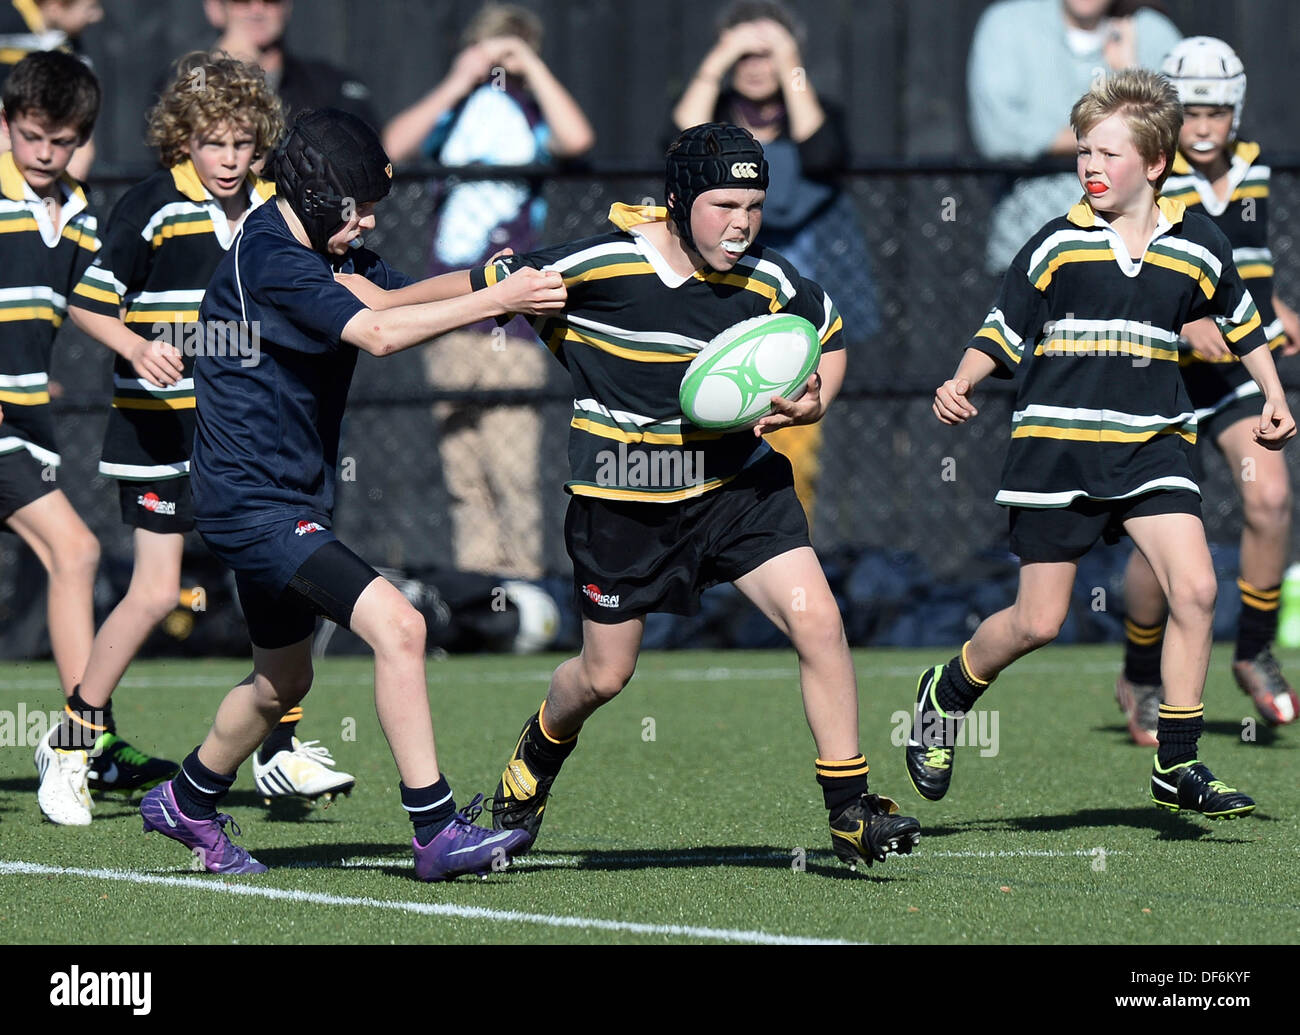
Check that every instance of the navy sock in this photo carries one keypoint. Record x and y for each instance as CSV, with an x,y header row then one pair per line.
x,y
198,790
82,724
1258,622
1142,647
280,738
430,808
842,783
1179,731
959,688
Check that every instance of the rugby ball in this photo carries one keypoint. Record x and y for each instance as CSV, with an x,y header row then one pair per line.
x,y
730,384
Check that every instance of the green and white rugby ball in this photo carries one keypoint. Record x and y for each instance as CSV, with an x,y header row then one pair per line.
x,y
730,384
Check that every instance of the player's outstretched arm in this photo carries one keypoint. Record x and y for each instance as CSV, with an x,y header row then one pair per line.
x,y
155,361
1276,425
952,398
528,291
435,289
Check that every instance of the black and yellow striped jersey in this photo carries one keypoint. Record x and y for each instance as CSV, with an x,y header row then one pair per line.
x,y
1243,218
628,331
1092,334
41,262
162,243
23,32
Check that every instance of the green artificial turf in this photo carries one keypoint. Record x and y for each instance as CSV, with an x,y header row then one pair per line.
x,y
688,813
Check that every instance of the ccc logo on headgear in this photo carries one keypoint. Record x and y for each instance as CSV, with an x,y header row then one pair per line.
x,y
744,170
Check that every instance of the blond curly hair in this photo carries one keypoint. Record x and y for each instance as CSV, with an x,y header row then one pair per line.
x,y
207,90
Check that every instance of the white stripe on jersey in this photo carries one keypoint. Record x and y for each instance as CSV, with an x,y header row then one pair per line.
x,y
182,387
621,416
36,291
12,443
24,380
649,337
1132,420
1111,329
1017,498
134,471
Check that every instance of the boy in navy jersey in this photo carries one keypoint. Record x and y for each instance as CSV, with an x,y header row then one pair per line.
x,y
1103,429
263,472
161,245
1221,175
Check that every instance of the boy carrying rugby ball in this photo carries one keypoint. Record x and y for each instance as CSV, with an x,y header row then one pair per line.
x,y
642,302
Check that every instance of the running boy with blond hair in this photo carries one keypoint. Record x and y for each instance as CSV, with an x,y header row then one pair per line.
x,y
141,296
1103,428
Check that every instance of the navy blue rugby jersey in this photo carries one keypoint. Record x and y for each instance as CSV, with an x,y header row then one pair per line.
x,y
269,409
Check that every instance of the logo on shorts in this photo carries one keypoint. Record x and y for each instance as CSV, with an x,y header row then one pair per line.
x,y
154,505
306,527
598,598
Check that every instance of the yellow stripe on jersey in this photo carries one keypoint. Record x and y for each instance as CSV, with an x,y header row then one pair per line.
x,y
573,334
1237,333
197,226
180,402
96,294
617,269
1250,190
663,438
18,226
1094,435
81,238
161,316
748,283
1074,255
1255,269
994,335
39,311
633,496
838,325
1183,266
24,398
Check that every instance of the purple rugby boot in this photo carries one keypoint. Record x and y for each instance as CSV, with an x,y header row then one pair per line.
x,y
204,837
461,847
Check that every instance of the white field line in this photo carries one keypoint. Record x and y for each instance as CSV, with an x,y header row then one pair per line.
x,y
688,858
713,674
420,908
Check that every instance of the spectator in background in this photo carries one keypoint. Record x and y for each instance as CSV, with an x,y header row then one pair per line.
x,y
754,77
499,105
27,26
253,30
1029,61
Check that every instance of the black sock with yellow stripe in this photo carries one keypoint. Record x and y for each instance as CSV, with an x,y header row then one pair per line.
x,y
1258,623
959,688
82,724
1179,731
280,738
543,753
842,783
1142,647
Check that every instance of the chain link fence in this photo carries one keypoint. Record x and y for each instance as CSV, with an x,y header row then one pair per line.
x,y
891,475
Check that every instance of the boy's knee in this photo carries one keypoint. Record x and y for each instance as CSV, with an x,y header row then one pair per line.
x,y
1266,503
158,601
607,681
77,555
1194,594
1039,629
280,691
403,633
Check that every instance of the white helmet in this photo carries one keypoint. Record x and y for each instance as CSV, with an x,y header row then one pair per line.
x,y
1206,70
